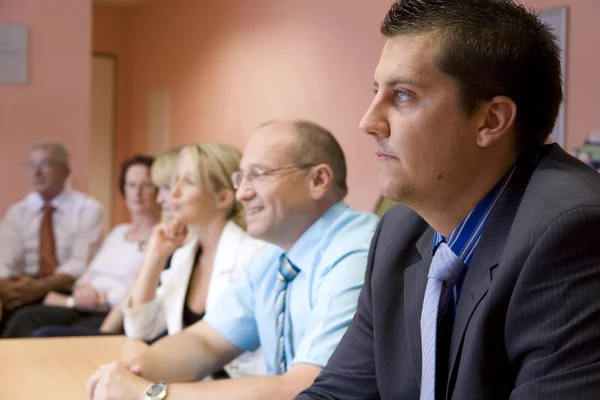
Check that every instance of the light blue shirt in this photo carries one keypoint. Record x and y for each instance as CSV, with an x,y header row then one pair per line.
x,y
320,301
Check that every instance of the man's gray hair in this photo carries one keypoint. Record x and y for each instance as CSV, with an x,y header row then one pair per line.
x,y
62,155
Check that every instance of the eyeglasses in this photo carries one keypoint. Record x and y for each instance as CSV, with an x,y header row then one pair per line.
x,y
144,186
258,173
43,165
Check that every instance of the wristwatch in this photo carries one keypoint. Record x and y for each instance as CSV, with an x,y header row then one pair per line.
x,y
157,391
70,303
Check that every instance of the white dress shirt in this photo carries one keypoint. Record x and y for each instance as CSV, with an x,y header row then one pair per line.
x,y
115,266
147,321
78,224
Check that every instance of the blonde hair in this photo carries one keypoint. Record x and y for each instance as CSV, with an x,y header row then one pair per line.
x,y
215,163
164,166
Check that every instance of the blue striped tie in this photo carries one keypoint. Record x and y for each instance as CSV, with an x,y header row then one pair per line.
x,y
287,272
444,273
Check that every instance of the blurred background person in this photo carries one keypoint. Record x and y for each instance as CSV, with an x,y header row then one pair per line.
x,y
112,270
203,201
48,238
162,171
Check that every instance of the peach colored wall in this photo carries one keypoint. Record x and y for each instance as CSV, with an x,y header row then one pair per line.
x,y
232,65
582,69
110,36
56,101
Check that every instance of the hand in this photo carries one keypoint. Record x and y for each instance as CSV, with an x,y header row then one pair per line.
x,y
23,289
101,304
55,299
86,297
117,381
166,238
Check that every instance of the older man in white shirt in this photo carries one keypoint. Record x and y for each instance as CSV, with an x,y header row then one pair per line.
x,y
48,238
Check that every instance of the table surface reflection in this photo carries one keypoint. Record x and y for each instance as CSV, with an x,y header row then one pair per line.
x,y
57,368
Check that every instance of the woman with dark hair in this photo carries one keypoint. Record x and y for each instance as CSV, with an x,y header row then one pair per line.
x,y
112,270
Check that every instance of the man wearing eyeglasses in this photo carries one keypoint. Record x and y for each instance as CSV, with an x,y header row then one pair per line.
x,y
298,296
47,239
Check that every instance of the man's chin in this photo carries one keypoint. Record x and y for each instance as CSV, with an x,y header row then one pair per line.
x,y
391,190
256,231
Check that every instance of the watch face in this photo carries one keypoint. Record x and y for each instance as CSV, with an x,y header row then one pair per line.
x,y
155,390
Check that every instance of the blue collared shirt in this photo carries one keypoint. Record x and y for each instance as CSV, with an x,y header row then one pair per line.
x,y
464,238
320,301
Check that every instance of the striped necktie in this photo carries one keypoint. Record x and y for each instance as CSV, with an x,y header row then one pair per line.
x,y
444,273
287,272
47,251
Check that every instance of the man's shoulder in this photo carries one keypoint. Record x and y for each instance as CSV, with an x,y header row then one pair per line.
x,y
349,224
22,210
346,236
76,197
561,183
18,208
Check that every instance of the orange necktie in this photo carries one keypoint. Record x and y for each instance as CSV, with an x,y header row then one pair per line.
x,y
48,262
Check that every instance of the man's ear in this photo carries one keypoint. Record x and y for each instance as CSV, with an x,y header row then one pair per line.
x,y
320,180
498,120
225,199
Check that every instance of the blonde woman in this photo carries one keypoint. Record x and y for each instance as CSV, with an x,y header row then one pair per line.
x,y
162,173
203,205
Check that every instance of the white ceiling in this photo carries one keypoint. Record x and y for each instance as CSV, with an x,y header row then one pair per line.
x,y
121,3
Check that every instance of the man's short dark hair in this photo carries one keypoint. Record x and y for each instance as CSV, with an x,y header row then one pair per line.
x,y
318,146
491,48
137,159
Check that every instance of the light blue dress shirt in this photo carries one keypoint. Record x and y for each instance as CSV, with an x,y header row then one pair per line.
x,y
321,300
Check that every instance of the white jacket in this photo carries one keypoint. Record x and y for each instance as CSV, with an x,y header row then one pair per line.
x,y
234,251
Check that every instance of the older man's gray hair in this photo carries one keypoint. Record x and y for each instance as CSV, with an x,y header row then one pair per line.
x,y
61,153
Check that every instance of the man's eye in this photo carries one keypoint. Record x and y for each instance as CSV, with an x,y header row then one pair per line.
x,y
403,97
256,173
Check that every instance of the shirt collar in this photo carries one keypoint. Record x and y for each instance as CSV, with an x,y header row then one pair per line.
x,y
59,201
466,235
302,252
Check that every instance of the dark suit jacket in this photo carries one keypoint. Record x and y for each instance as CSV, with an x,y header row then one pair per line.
x,y
528,320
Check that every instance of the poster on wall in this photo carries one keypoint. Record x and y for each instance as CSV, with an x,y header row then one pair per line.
x,y
556,19
13,54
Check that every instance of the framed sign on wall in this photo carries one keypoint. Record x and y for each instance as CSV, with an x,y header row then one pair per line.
x,y
13,54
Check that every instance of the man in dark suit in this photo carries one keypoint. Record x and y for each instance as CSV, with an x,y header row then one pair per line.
x,y
485,283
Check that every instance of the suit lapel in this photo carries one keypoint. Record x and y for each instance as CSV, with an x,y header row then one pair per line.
x,y
487,257
415,281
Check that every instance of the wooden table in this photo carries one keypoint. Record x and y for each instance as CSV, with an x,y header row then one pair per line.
x,y
57,368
